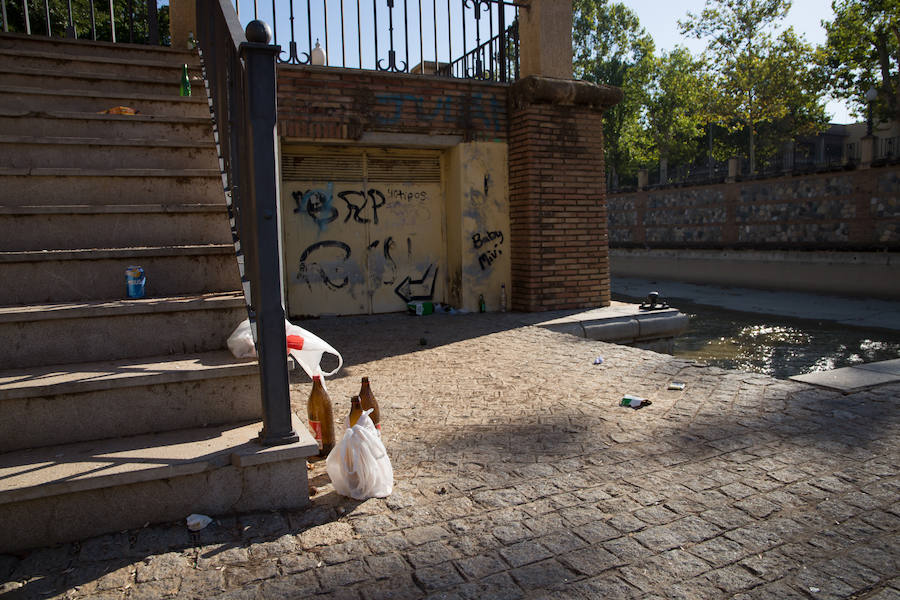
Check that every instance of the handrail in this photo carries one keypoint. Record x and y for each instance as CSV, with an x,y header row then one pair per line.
x,y
240,72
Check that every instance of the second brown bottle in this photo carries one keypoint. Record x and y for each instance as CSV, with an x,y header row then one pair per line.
x,y
367,401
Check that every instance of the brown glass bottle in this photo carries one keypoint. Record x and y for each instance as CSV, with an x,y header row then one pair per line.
x,y
367,401
321,417
355,411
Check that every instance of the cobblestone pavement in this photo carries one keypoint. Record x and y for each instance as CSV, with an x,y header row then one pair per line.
x,y
519,476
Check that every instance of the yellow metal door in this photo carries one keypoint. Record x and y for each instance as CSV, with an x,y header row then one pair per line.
x,y
363,230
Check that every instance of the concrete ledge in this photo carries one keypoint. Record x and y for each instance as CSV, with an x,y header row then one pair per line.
x,y
623,323
71,492
855,378
280,484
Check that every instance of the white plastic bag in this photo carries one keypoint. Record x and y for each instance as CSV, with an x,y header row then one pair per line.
x,y
305,347
240,342
358,465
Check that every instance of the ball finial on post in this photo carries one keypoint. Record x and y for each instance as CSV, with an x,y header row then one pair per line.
x,y
258,32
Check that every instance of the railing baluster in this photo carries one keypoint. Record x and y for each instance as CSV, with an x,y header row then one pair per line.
x,y
449,38
274,25
406,28
152,23
112,21
434,18
131,21
93,23
70,28
421,40
375,30
343,38
359,34
327,48
27,19
309,32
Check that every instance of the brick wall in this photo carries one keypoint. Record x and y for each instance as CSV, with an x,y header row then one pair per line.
x,y
557,200
345,104
849,210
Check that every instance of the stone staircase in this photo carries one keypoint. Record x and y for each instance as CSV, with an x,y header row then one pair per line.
x,y
115,411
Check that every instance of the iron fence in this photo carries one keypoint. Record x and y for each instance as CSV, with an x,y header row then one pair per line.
x,y
474,39
141,21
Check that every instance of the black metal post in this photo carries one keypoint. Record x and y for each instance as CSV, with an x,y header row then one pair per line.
x,y
152,23
262,193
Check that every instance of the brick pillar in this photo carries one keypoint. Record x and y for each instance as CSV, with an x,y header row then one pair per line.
x,y
557,194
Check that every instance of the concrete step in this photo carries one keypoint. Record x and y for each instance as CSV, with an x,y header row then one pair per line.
x,y
158,80
87,125
74,491
13,98
42,405
45,276
117,226
100,51
43,186
88,153
45,334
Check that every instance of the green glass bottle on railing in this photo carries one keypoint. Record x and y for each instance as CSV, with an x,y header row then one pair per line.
x,y
185,82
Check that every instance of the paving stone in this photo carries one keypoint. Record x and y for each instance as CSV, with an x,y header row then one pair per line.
x,y
604,587
431,554
598,531
561,542
478,567
436,577
296,563
387,565
757,506
524,553
429,533
159,567
656,515
336,576
499,587
719,551
591,560
732,579
399,587
541,575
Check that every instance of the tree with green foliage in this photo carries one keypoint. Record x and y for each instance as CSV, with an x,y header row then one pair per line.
x,y
763,82
676,109
611,47
863,51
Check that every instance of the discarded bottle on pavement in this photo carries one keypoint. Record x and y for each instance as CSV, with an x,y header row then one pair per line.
x,y
502,297
355,412
321,416
367,401
481,306
185,82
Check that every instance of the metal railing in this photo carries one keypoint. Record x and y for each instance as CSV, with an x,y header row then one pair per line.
x,y
241,79
104,20
474,39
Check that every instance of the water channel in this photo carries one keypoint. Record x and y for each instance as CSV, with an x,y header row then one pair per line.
x,y
775,345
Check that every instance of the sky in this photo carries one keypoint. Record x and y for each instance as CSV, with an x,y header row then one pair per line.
x,y
660,19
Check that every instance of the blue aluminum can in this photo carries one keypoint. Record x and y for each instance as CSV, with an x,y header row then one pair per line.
x,y
135,281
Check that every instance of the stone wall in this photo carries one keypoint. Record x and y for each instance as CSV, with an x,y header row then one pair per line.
x,y
845,210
